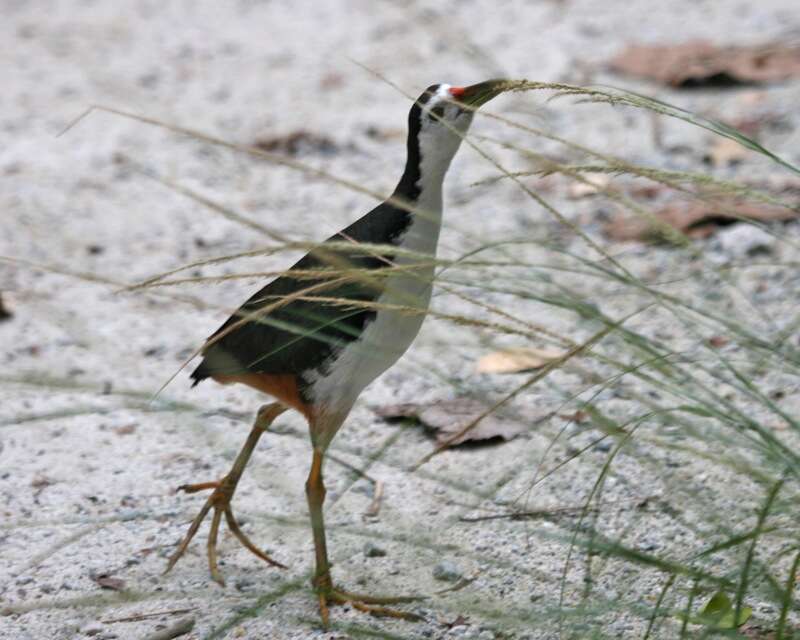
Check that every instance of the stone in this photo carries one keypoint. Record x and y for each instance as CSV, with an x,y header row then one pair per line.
x,y
371,550
744,240
447,571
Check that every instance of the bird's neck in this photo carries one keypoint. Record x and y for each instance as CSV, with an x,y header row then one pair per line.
x,y
427,161
421,188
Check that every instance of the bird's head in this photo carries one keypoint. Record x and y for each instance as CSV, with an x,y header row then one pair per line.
x,y
444,108
441,116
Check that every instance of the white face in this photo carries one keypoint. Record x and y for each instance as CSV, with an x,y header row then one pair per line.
x,y
442,125
442,111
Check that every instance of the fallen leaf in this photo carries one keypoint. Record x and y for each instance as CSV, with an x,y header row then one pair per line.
x,y
298,142
457,622
699,63
757,632
647,191
517,360
696,219
40,482
107,582
578,416
725,152
125,430
332,80
448,417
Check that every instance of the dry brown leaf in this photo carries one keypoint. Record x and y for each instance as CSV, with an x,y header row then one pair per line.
x,y
700,63
41,482
517,360
718,341
448,417
757,632
725,152
460,620
298,142
125,430
696,219
578,416
107,582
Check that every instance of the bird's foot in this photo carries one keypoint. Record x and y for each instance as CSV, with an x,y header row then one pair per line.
x,y
330,595
220,502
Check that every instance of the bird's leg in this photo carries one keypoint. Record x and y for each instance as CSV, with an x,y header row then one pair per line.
x,y
220,499
315,492
326,592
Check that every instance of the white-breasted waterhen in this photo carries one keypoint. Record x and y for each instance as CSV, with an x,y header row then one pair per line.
x,y
315,337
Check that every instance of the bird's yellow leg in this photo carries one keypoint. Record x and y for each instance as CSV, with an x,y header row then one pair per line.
x,y
327,593
221,496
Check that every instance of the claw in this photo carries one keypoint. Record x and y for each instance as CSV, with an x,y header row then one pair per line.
x,y
200,486
373,605
219,500
241,536
211,547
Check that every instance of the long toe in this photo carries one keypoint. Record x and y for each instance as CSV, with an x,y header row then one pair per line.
x,y
219,501
373,605
248,544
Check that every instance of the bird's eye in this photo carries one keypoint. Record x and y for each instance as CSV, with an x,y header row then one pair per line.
x,y
438,111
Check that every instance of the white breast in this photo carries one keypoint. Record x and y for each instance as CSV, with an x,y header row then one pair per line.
x,y
335,386
338,383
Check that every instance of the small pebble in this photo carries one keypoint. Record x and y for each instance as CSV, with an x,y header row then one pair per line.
x,y
244,584
371,550
447,571
743,240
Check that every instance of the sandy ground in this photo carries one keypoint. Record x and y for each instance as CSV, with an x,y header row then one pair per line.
x,y
88,465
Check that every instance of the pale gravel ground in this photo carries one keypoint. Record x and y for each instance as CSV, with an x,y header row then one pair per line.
x,y
86,484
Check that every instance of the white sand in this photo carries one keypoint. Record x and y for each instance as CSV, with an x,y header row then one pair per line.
x,y
87,476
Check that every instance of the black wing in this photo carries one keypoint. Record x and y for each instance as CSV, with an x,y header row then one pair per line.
x,y
301,335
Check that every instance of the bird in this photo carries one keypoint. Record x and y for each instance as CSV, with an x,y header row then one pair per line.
x,y
316,336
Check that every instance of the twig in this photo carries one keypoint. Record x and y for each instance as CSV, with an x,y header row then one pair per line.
x,y
657,131
521,515
375,506
464,582
178,629
350,467
543,513
144,616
